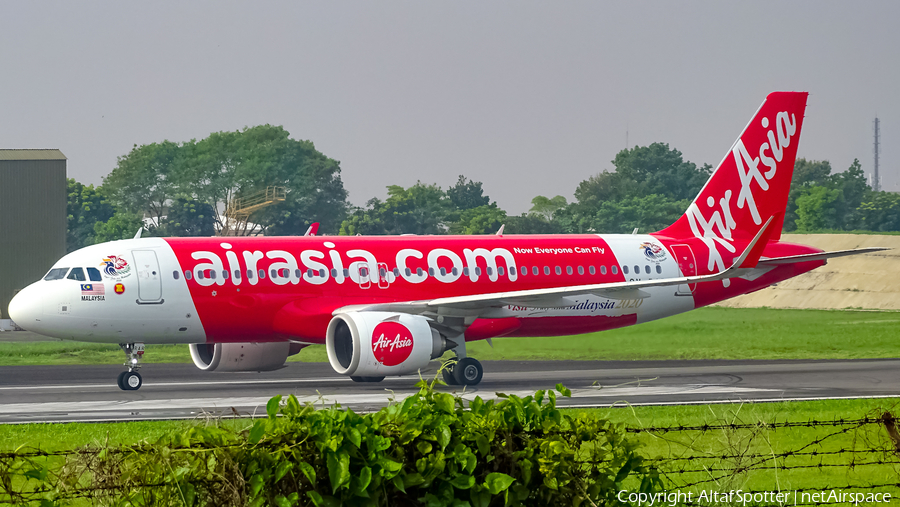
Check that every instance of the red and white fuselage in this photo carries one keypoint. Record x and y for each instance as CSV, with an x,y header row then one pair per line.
x,y
258,289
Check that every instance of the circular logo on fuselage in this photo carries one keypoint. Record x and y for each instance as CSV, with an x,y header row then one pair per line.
x,y
392,343
653,252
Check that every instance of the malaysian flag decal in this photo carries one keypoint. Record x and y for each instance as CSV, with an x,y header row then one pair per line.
x,y
93,292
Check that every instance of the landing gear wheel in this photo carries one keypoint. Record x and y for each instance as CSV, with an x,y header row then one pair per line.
x,y
119,381
447,374
366,379
130,381
468,372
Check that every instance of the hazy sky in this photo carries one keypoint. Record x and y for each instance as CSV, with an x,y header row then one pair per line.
x,y
529,98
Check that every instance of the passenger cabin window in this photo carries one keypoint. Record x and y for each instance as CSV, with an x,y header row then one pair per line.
x,y
466,271
546,270
212,274
408,272
200,275
454,271
524,270
569,270
237,274
431,271
250,274
224,274
659,269
500,271
558,270
490,271
625,269
419,272
581,270
637,270
647,269
477,271
602,270
262,274
273,274
397,272
56,274
76,274
176,275
615,270
188,275
298,273
534,270
346,273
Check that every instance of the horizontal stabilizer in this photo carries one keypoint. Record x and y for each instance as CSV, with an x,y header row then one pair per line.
x,y
792,259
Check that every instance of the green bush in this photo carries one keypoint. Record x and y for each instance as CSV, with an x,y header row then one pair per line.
x,y
429,450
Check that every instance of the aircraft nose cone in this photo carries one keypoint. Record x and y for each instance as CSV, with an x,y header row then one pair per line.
x,y
26,308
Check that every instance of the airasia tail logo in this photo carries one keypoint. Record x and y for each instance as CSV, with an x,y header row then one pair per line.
x,y
392,343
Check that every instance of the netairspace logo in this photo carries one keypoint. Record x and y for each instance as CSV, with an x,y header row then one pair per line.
x,y
740,497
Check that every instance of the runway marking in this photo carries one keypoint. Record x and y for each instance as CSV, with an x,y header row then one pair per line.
x,y
200,383
342,399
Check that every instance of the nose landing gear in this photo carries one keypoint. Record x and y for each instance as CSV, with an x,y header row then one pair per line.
x,y
131,380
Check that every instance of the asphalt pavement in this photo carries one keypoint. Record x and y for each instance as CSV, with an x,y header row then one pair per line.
x,y
177,391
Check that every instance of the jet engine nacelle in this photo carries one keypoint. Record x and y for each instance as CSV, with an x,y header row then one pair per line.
x,y
242,356
377,344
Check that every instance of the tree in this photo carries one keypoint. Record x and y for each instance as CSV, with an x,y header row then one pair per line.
x,y
807,173
881,212
658,169
86,206
142,181
188,217
531,224
645,213
316,193
122,225
545,207
419,209
641,172
467,194
816,209
481,220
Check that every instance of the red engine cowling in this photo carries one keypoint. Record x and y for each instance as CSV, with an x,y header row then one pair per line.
x,y
377,344
242,356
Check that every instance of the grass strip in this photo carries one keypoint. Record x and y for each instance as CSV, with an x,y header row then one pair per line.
x,y
706,333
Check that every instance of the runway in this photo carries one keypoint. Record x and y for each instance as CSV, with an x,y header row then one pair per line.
x,y
178,391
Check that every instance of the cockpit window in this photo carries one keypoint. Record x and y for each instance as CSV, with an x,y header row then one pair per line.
x,y
76,274
56,274
94,275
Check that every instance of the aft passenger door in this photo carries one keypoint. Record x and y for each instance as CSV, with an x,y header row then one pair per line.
x,y
687,263
149,279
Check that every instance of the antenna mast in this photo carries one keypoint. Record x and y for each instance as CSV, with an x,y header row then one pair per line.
x,y
876,180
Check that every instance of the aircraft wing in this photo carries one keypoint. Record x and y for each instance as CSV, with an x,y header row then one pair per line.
x,y
558,297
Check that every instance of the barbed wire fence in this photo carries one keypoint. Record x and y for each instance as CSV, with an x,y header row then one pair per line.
x,y
864,452
860,454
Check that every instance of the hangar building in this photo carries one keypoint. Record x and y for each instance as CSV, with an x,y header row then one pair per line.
x,y
32,217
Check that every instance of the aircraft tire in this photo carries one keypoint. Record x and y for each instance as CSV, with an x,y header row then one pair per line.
x,y
119,381
132,381
366,379
468,371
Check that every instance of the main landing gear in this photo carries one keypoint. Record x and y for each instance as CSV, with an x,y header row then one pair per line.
x,y
466,371
131,380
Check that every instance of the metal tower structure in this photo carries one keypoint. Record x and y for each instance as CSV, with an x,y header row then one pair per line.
x,y
238,211
876,180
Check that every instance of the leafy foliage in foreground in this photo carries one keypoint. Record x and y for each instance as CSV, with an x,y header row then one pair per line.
x,y
426,450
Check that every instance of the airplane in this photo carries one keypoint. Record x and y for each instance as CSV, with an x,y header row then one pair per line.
x,y
388,305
